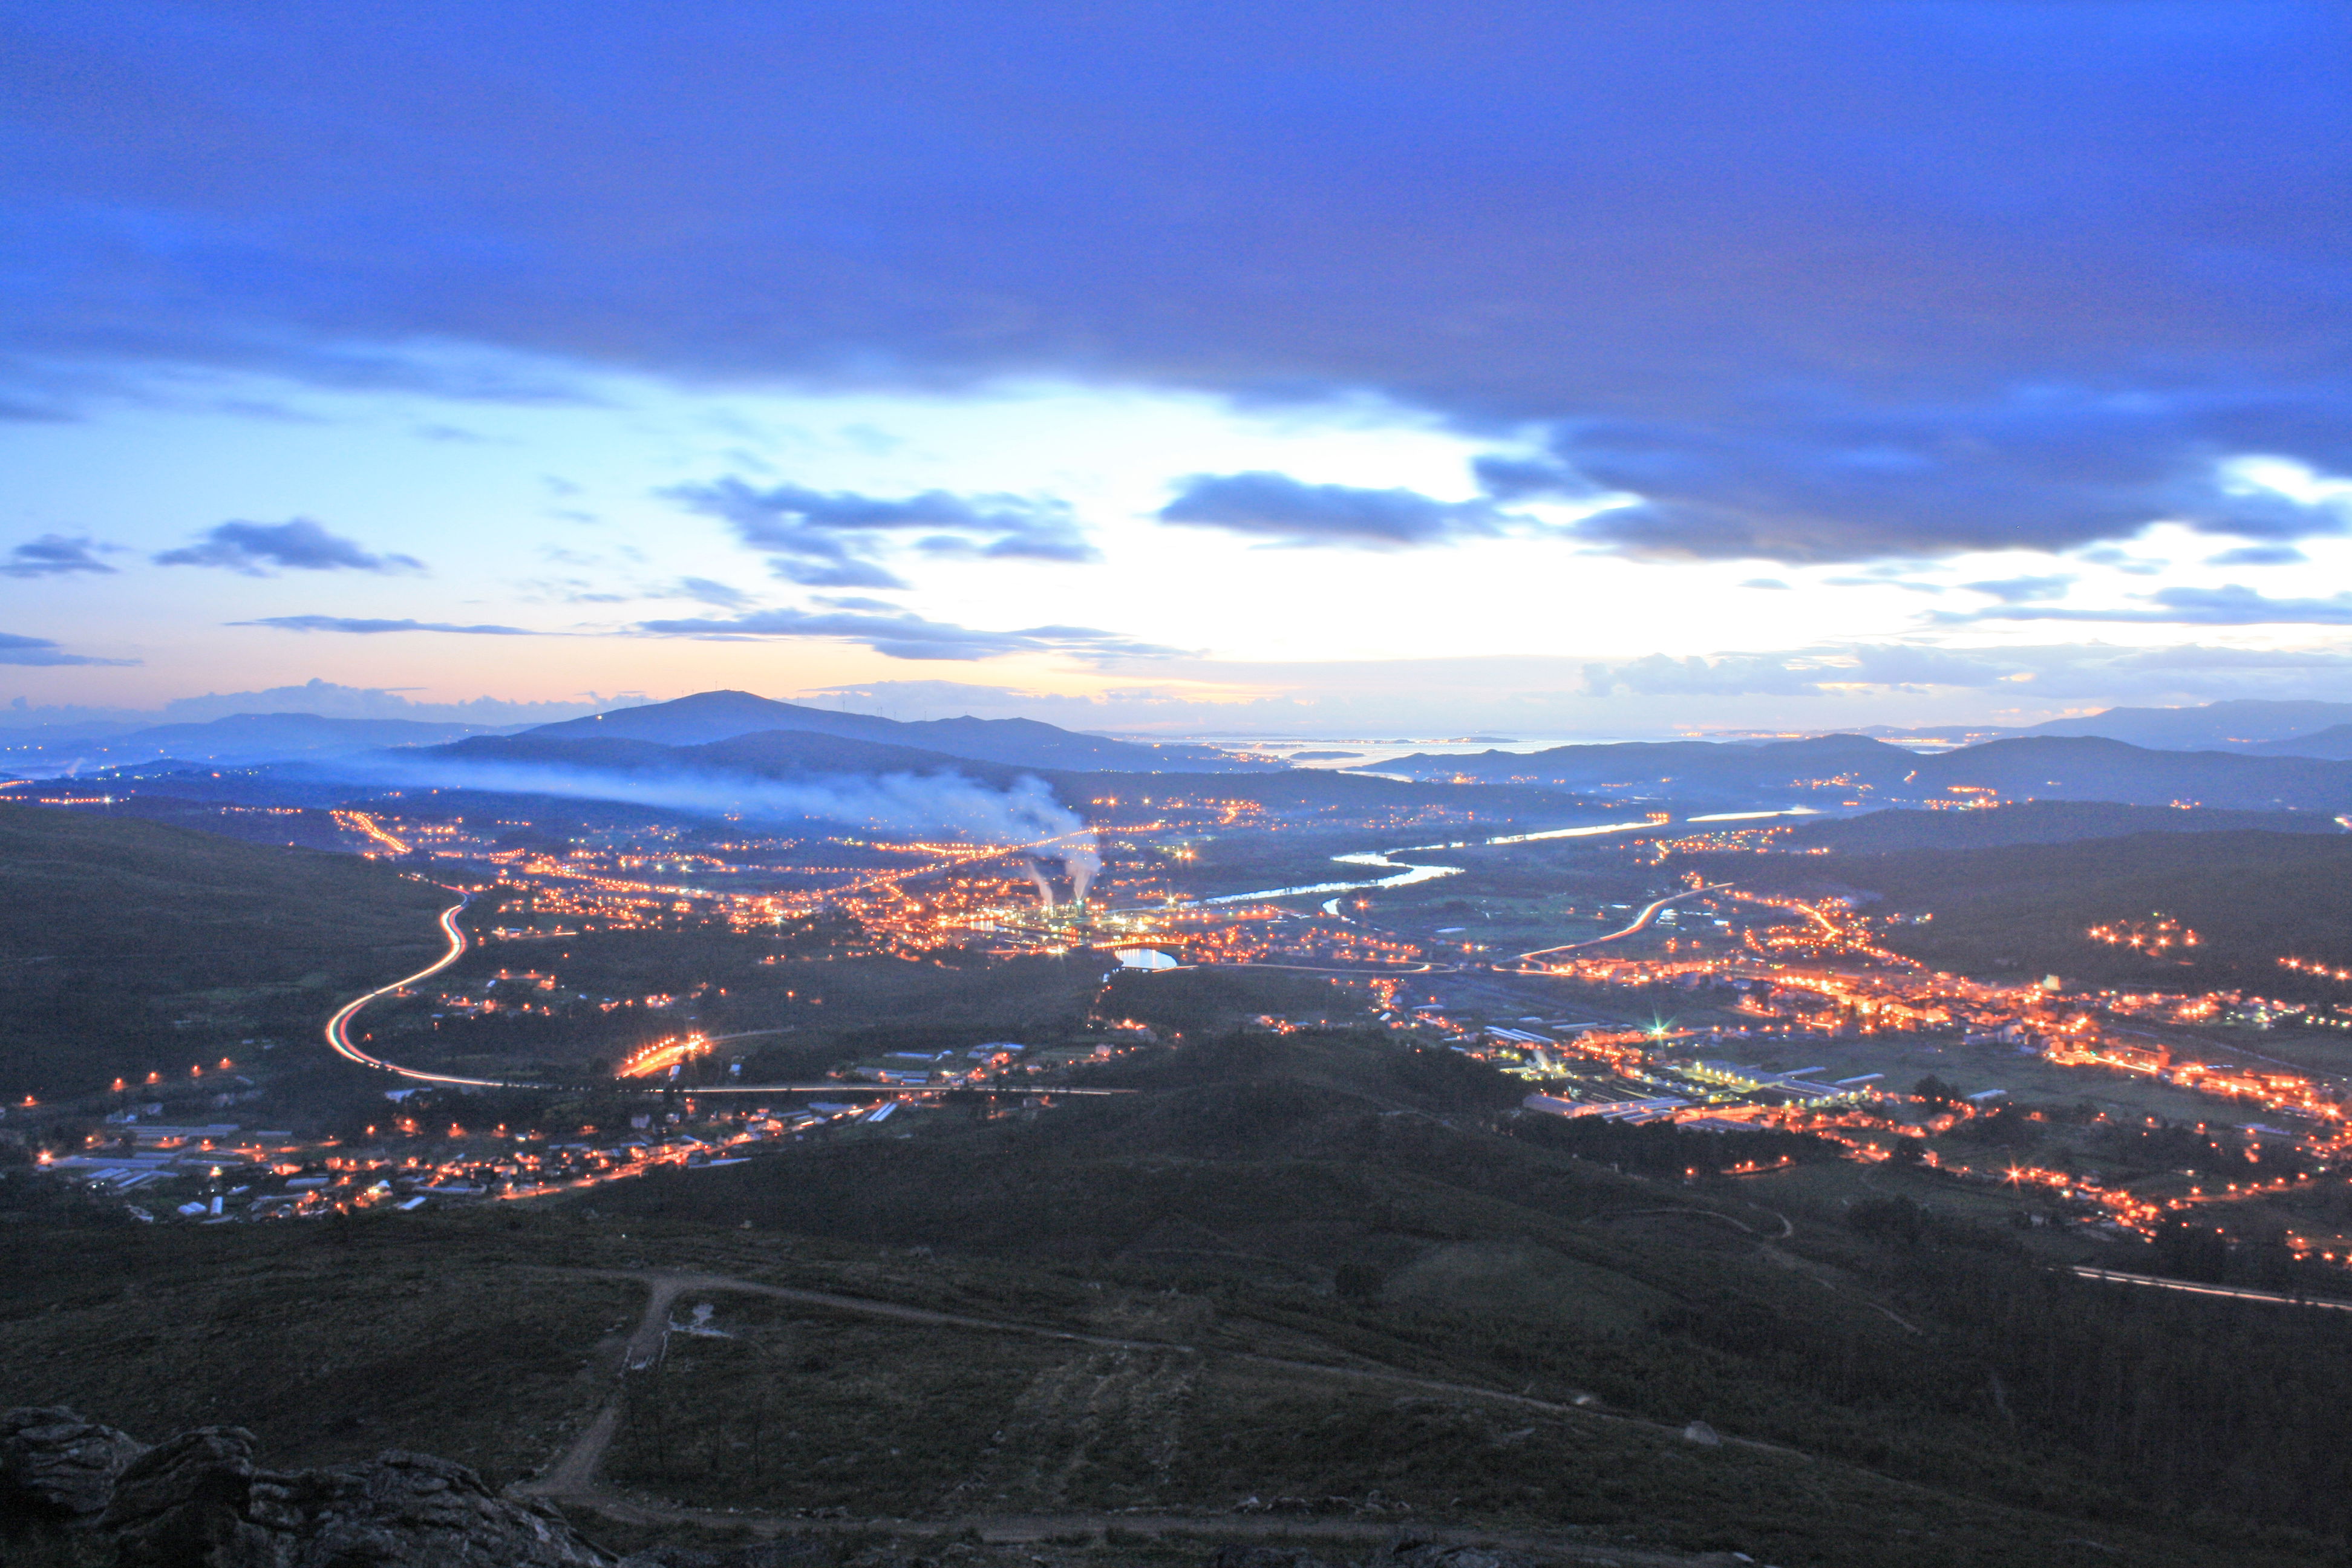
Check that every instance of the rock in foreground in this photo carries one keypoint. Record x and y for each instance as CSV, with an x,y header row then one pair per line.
x,y
52,1461
198,1501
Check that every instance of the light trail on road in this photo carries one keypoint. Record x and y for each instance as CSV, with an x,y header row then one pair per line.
x,y
1641,922
2235,1293
339,1038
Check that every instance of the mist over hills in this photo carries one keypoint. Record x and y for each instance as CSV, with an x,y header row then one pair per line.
x,y
701,748
770,753
702,719
245,738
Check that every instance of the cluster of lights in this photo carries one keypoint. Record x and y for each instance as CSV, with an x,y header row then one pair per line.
x,y
2164,935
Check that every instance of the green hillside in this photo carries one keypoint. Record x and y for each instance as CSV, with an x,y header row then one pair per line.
x,y
128,947
2252,897
1339,1199
2040,822
1327,1272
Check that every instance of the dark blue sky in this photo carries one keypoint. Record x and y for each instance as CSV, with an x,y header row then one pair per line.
x,y
1816,283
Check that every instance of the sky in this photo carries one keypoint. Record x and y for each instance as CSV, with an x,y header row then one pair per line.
x,y
1407,369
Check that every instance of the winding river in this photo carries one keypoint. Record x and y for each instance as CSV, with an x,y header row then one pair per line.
x,y
1410,872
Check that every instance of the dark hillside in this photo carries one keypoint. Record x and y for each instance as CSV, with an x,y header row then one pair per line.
x,y
1857,768
493,1338
2335,743
1340,1199
2252,897
113,929
769,753
707,717
2051,767
2040,821
2254,722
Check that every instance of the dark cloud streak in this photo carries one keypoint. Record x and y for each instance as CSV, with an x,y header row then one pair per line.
x,y
2230,606
54,555
910,637
835,539
362,625
44,652
1290,511
298,544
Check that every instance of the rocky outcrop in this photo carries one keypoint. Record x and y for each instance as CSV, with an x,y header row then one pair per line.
x,y
199,1501
53,1462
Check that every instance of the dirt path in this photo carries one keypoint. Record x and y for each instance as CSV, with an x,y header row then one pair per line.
x,y
1015,1528
572,1476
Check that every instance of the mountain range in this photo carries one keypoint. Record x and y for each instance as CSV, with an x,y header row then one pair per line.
x,y
2299,729
1848,770
708,716
242,738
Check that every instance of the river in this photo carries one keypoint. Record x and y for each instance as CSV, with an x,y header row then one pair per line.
x,y
1408,872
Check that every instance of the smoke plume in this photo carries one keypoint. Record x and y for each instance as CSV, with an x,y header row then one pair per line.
x,y
948,803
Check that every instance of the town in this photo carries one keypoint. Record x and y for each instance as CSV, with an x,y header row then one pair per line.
x,y
1703,1005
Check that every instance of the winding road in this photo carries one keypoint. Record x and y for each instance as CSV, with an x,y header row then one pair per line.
x,y
1641,924
338,1037
339,1040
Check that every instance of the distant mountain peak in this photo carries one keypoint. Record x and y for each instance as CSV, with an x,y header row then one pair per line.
x,y
707,717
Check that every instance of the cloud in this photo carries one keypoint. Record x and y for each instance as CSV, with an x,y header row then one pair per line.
x,y
1765,582
1659,675
835,539
53,555
1871,280
14,649
1024,812
2124,561
367,627
2230,606
1290,511
1803,672
906,636
1853,478
337,702
1883,582
298,544
1528,478
2259,555
321,697
2022,590
708,592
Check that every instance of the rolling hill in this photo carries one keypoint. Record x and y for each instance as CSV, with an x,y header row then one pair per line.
x,y
2335,741
2039,822
128,947
246,737
2247,724
1859,768
2252,897
2244,722
1330,1197
712,716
